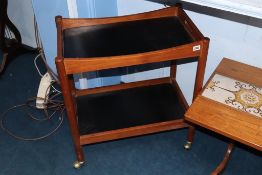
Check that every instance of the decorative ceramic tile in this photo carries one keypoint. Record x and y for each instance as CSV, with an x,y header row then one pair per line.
x,y
236,94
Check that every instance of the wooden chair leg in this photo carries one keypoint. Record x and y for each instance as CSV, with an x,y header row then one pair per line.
x,y
223,164
190,137
3,63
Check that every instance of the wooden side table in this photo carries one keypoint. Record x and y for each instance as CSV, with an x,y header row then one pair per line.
x,y
231,105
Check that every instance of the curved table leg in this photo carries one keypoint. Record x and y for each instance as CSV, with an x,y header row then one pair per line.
x,y
222,164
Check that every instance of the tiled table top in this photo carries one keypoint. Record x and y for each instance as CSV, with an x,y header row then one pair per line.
x,y
234,93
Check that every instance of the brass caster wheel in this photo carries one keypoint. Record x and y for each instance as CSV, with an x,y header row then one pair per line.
x,y
78,164
187,146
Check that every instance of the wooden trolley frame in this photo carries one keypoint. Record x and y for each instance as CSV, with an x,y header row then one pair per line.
x,y
66,67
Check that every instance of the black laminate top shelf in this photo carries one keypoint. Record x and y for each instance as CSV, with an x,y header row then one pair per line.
x,y
128,108
124,38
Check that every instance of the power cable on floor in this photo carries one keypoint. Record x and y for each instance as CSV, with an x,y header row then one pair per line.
x,y
52,107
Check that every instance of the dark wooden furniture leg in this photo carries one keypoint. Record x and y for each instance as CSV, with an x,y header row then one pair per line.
x,y
68,88
223,164
3,62
71,112
190,137
191,129
198,86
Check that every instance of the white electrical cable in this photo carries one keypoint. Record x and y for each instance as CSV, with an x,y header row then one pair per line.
x,y
53,105
35,59
56,89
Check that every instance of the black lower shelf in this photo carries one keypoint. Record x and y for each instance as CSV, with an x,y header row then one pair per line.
x,y
128,108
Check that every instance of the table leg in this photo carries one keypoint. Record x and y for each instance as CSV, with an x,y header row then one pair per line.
x,y
222,164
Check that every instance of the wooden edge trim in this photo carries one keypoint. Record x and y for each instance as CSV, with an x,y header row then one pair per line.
x,y
132,131
78,65
233,137
188,24
207,82
80,22
181,98
240,71
242,113
121,86
258,147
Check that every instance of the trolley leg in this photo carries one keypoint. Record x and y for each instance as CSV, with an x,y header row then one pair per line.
x,y
67,87
78,164
190,136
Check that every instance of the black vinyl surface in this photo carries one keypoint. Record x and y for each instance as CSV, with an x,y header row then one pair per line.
x,y
124,38
127,108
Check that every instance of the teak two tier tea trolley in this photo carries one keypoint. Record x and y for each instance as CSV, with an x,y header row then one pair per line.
x,y
128,109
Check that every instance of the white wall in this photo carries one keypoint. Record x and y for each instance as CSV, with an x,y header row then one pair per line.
x,y
238,41
45,12
21,14
126,7
228,38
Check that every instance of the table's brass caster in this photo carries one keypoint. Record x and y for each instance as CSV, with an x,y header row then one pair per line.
x,y
78,164
187,146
